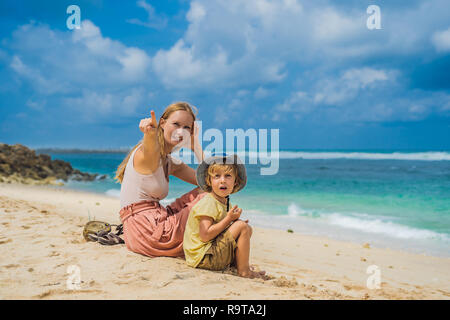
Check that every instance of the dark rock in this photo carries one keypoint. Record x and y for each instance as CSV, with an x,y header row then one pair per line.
x,y
77,175
22,164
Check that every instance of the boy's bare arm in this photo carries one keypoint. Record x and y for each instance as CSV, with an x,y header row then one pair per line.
x,y
209,230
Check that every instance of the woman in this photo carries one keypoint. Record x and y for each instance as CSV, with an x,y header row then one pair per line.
x,y
148,227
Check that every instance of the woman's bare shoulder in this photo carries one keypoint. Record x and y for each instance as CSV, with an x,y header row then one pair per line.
x,y
144,164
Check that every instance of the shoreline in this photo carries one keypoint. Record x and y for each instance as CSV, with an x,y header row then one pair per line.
x,y
264,221
41,230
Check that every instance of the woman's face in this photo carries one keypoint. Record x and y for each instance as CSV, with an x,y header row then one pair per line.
x,y
177,127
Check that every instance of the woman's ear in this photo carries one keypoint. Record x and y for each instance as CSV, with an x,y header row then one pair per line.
x,y
162,123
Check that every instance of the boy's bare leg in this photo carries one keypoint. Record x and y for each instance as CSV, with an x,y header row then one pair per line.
x,y
241,232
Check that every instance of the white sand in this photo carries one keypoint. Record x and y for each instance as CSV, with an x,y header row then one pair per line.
x,y
41,236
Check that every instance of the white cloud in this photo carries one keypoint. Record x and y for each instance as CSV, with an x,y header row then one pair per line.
x,y
135,62
92,104
75,58
441,40
261,93
221,116
361,96
36,105
329,25
196,12
246,42
242,93
353,95
133,99
445,105
179,68
361,78
81,69
153,20
297,103
274,72
252,42
239,49
417,109
350,84
44,85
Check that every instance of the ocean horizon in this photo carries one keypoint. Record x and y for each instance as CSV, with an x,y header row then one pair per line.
x,y
394,199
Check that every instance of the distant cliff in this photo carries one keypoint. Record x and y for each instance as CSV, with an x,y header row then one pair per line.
x,y
21,164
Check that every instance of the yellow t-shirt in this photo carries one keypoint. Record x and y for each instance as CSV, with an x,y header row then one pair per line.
x,y
194,247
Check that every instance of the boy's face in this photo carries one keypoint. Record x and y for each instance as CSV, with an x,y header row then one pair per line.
x,y
222,182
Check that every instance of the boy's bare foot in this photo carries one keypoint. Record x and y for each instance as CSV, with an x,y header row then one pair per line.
x,y
256,269
254,275
262,273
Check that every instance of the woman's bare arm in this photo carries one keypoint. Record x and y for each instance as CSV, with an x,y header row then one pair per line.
x,y
147,157
185,173
196,146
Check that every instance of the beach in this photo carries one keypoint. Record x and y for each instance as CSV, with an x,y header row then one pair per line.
x,y
41,245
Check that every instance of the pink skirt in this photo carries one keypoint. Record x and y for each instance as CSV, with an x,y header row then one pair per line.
x,y
155,231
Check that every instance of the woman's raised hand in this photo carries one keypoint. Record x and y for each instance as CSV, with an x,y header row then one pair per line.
x,y
195,142
149,125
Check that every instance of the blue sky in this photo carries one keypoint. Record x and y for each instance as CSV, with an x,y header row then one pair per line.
x,y
310,68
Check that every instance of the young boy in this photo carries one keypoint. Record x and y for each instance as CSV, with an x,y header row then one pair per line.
x,y
214,238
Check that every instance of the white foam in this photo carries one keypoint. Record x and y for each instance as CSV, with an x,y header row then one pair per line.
x,y
113,193
294,211
362,222
378,226
359,228
419,156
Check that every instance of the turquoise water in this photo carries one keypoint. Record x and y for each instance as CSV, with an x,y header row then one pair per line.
x,y
390,199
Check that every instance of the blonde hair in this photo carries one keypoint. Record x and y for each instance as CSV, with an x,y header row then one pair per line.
x,y
226,168
176,106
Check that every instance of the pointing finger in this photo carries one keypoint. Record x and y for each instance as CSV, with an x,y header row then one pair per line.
x,y
153,119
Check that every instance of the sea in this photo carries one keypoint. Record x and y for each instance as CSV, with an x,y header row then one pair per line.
x,y
390,199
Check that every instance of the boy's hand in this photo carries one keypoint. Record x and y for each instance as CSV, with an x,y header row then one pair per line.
x,y
234,213
149,125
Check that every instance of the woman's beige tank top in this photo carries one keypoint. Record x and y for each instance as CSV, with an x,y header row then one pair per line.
x,y
137,187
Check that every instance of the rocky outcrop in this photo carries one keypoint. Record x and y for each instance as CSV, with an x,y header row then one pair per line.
x,y
21,164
